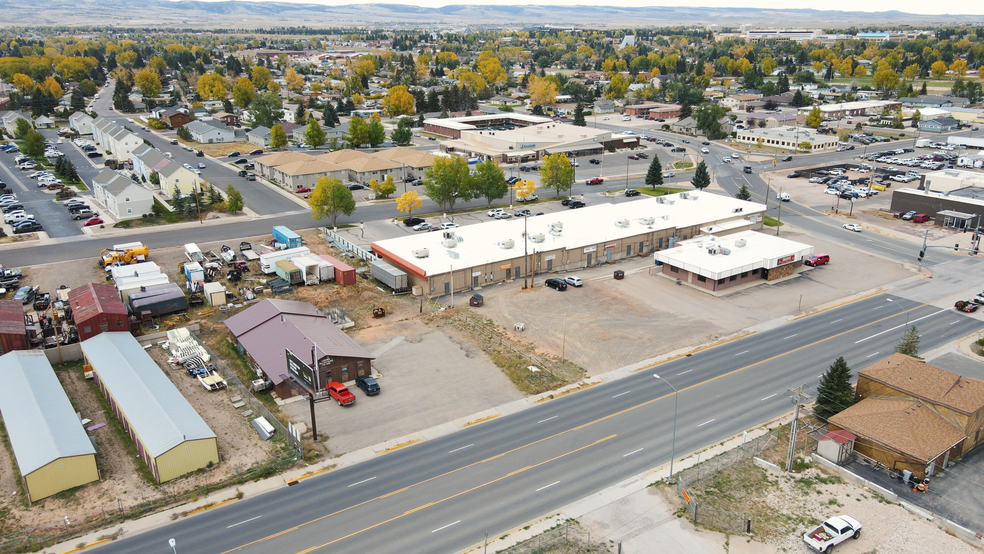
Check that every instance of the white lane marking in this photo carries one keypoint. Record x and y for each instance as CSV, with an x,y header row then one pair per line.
x,y
547,487
631,453
446,526
242,522
955,322
462,448
621,393
790,336
878,308
836,320
705,423
770,396
870,355
360,482
740,353
900,326
688,371
548,419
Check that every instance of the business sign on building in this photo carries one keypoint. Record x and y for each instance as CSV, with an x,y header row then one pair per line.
x,y
505,266
785,260
609,246
590,249
301,372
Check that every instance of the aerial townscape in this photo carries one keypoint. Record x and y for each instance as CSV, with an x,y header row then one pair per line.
x,y
300,277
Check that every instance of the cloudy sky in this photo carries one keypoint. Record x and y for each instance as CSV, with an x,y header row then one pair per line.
x,y
910,6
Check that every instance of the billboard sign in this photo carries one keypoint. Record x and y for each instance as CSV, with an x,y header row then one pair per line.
x,y
300,371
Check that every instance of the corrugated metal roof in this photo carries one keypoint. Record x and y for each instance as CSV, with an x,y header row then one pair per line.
x,y
94,299
12,318
157,411
265,309
40,420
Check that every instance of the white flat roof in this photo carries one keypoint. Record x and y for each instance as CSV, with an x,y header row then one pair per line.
x,y
757,251
482,243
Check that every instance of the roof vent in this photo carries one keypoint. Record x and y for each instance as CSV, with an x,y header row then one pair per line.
x,y
420,253
684,195
740,243
537,237
623,223
449,243
507,244
647,220
660,200
725,251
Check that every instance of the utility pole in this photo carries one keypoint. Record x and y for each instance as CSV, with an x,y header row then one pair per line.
x,y
800,398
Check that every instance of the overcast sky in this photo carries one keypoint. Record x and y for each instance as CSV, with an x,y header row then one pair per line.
x,y
910,6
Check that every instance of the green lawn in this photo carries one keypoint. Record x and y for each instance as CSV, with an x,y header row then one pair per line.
x,y
660,191
771,222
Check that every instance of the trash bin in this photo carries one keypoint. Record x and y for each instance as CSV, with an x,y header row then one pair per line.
x,y
619,274
476,300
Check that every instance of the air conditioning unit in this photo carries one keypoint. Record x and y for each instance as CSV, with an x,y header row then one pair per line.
x,y
693,197
452,254
684,195
537,237
713,250
449,234
647,220
557,226
670,201
623,223
449,243
666,218
507,244
740,243
660,200
724,251
420,253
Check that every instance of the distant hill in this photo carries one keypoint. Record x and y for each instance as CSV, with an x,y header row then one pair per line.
x,y
246,15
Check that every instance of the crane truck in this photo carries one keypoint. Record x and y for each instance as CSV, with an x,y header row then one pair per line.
x,y
131,254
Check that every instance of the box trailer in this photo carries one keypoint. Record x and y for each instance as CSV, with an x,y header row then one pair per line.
x,y
194,253
923,143
308,268
286,237
194,272
389,275
130,283
344,273
157,301
131,270
214,294
289,272
269,260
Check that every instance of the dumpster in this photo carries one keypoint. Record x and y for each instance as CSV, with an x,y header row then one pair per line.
x,y
476,300
619,274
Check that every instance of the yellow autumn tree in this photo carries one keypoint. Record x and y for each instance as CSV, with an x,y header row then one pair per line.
x,y
211,86
295,82
408,202
53,87
542,91
398,101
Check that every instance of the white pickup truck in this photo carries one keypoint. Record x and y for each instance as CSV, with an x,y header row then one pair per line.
x,y
833,532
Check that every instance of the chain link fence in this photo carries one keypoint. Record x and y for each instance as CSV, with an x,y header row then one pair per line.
x,y
712,517
560,540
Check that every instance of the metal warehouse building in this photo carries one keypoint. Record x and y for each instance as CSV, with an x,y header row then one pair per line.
x,y
170,435
474,256
52,450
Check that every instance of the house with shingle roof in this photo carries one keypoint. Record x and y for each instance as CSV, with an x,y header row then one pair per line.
x,y
305,173
911,415
266,330
370,167
121,197
176,179
266,163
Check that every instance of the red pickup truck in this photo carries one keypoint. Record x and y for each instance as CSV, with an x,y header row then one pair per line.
x,y
340,393
595,181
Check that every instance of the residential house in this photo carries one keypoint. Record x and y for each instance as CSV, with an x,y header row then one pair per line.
x,y
146,160
266,331
266,163
176,179
939,125
115,139
230,119
739,102
10,122
44,122
687,126
122,198
207,132
81,122
174,119
259,136
911,415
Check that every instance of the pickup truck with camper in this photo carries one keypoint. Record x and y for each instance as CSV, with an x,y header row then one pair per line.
x,y
833,532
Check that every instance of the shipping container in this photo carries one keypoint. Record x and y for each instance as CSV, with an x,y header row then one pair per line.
x,y
308,268
158,301
344,273
286,237
269,260
389,275
142,268
289,272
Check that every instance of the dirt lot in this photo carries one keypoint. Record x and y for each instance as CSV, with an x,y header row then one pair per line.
x,y
610,324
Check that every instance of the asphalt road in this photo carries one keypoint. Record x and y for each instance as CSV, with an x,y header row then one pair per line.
x,y
445,494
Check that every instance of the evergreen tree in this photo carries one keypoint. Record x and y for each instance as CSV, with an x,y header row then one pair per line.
x,y
909,345
834,393
420,121
783,83
744,193
654,177
702,179
78,100
235,199
299,115
538,110
798,100
579,116
328,115
214,197
922,90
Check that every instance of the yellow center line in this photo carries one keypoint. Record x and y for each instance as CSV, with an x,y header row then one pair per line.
x,y
456,495
561,433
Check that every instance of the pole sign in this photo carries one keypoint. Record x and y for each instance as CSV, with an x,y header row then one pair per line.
x,y
301,372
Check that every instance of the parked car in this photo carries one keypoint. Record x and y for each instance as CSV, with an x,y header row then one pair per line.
x,y
448,225
7,208
367,384
28,226
920,218
595,161
832,532
558,284
523,213
302,190
907,216
817,259
503,215
422,226
83,214
632,192
243,172
794,175
241,161
595,181
233,154
256,152
529,198
201,165
576,204
93,221
643,155
340,393
574,281
853,227
411,221
633,157
356,186
494,211
26,294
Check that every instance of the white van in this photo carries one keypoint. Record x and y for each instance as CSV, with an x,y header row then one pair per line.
x,y
174,141
784,196
626,118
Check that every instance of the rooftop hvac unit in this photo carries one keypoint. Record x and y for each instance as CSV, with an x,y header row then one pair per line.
x,y
647,220
623,223
537,237
449,243
666,218
693,197
670,201
660,200
713,250
420,253
507,244
453,254
724,251
684,195
740,243
557,226
449,234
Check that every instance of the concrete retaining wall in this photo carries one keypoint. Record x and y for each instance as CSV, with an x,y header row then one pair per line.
x,y
766,465
855,479
67,353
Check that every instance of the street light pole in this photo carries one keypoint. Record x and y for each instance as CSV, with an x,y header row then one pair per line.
x,y
906,326
676,394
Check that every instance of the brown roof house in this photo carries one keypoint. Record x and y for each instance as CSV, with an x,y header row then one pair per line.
x,y
265,331
97,308
911,415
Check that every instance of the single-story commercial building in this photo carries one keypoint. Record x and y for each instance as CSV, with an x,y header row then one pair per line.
x,y
911,415
171,438
265,331
939,125
860,107
952,197
531,143
452,127
654,110
787,137
52,450
715,262
474,256
97,308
